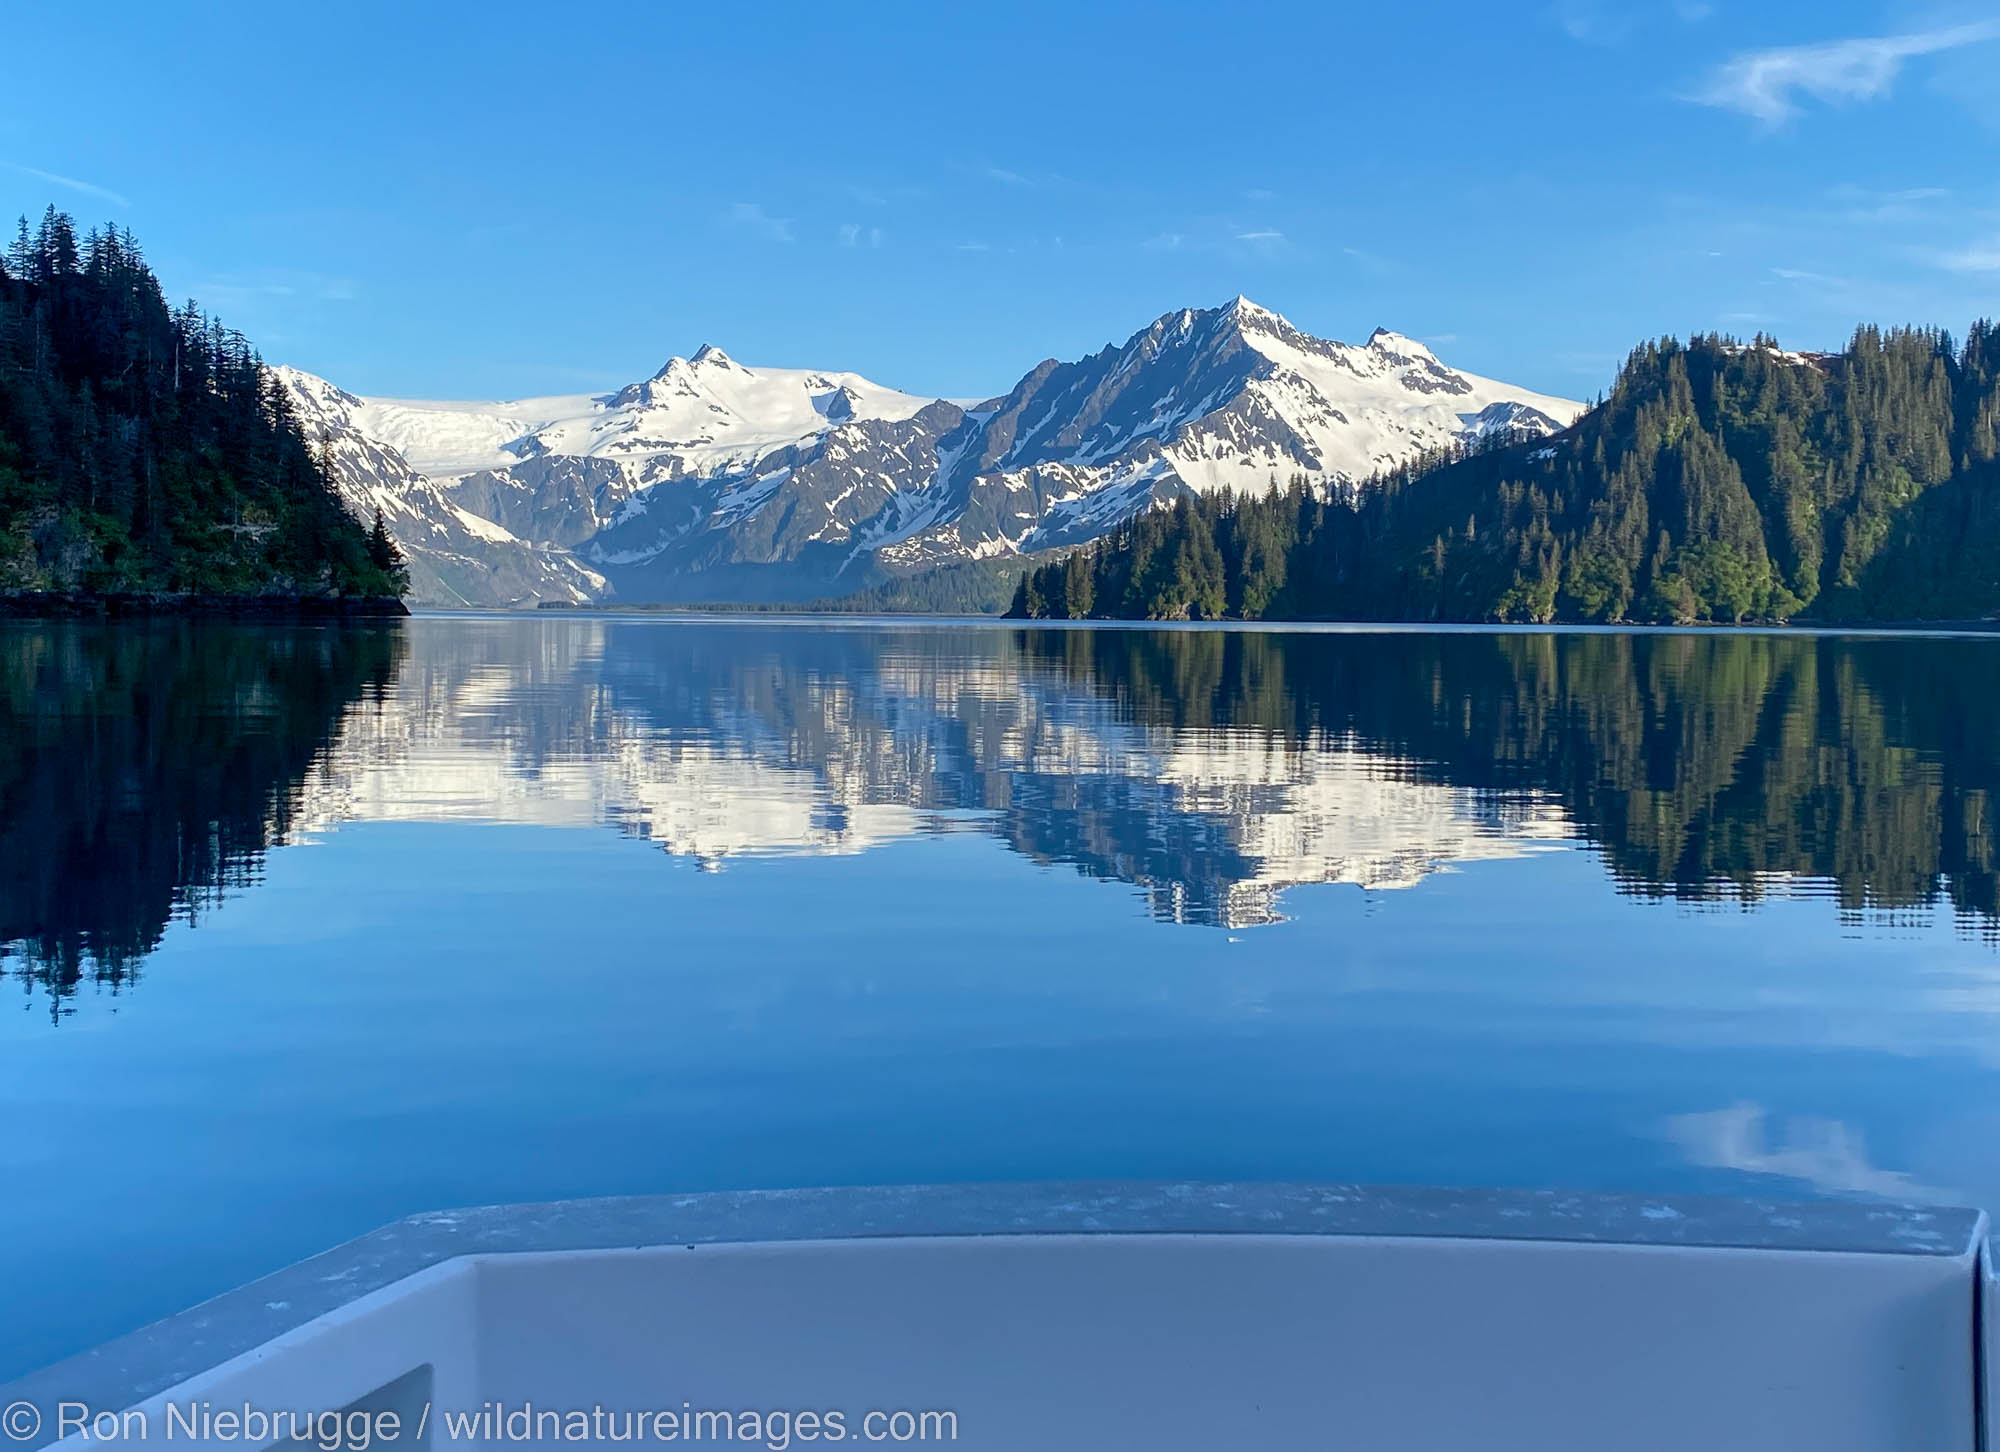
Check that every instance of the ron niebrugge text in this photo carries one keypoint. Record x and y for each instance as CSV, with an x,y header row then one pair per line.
x,y
353,1430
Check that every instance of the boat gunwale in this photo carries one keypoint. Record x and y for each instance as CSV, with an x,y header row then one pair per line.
x,y
142,1364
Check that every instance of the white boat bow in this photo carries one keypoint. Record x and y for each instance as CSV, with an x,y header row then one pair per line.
x,y
1112,1316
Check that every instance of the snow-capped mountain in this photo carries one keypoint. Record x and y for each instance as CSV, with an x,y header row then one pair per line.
x,y
1231,397
490,499
456,556
712,481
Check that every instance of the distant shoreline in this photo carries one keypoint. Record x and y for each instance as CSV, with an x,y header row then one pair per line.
x,y
90,605
1501,627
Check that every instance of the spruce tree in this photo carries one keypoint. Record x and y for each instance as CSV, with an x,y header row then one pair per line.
x,y
144,448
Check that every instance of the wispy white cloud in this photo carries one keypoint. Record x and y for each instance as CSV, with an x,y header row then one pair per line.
x,y
751,217
973,247
1266,242
1769,84
1221,236
1033,180
1590,23
1612,22
878,194
1979,257
89,189
1902,204
853,234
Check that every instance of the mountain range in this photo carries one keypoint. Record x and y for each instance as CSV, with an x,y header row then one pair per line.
x,y
713,481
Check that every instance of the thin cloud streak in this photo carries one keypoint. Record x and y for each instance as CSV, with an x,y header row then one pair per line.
x,y
751,217
1980,257
1610,23
89,189
1590,23
1910,204
1767,84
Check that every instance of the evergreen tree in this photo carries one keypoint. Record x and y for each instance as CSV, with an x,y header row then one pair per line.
x,y
385,555
1079,593
144,448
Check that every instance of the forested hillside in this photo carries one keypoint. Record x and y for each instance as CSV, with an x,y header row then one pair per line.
x,y
146,450
1719,482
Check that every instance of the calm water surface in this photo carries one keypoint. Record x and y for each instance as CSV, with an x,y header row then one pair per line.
x,y
309,929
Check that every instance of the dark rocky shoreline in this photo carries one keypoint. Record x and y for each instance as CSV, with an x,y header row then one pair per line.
x,y
88,605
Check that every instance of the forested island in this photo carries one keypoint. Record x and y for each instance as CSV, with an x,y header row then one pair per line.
x,y
1719,482
147,457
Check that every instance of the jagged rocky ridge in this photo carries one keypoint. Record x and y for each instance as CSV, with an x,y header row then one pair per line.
x,y
713,481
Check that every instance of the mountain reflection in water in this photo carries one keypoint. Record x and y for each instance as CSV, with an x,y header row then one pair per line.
x,y
146,770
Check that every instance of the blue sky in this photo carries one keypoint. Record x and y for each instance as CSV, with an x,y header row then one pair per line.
x,y
495,200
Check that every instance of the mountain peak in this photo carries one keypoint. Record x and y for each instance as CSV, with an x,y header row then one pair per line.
x,y
1241,307
1401,345
706,356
